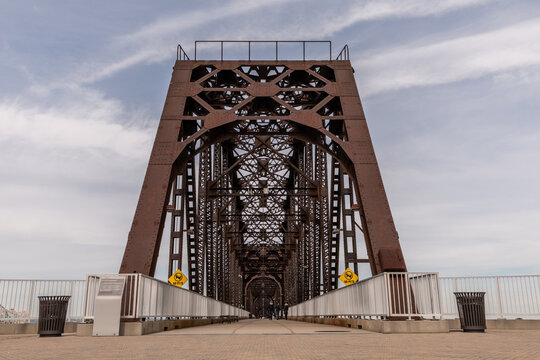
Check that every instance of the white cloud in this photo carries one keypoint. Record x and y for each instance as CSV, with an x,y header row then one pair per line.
x,y
69,175
383,9
87,121
155,42
466,57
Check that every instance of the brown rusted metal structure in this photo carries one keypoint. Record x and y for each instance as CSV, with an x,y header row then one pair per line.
x,y
268,173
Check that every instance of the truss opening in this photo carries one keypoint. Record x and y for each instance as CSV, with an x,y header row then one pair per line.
x,y
223,100
325,71
193,108
263,106
331,108
262,73
201,71
225,79
301,79
302,100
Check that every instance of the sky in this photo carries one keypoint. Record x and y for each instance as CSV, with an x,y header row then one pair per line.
x,y
450,88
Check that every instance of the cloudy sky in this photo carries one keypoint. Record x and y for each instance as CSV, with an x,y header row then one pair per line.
x,y
451,90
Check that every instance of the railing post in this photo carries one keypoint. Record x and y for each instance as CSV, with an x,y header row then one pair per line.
x,y
408,289
438,285
387,295
499,302
70,304
31,299
140,292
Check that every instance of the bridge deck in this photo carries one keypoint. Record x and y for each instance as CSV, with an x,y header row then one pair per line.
x,y
265,339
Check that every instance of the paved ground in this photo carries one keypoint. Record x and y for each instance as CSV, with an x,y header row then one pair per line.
x,y
265,339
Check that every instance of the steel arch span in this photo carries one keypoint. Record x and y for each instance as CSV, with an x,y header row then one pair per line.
x,y
268,175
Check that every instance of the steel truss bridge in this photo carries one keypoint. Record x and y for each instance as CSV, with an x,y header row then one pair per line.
x,y
266,172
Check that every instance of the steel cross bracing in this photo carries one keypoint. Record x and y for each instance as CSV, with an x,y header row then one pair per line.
x,y
269,176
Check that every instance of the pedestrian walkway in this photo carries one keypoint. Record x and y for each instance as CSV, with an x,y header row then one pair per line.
x,y
262,327
277,339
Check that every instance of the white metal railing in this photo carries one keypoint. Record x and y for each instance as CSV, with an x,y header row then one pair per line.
x,y
386,295
19,298
403,294
507,297
148,298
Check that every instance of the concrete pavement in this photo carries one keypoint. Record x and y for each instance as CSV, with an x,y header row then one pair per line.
x,y
277,339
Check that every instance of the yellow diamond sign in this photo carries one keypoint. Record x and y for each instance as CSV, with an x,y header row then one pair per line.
x,y
348,277
178,279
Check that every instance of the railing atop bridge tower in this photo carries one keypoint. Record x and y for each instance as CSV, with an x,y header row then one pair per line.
x,y
181,53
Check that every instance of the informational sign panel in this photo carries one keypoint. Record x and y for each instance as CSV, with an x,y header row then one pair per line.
x,y
348,277
108,306
178,278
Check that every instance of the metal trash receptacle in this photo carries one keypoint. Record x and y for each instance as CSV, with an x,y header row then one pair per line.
x,y
52,315
472,311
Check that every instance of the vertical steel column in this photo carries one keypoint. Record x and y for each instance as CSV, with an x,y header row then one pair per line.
x,y
312,233
177,223
210,234
304,265
217,227
335,220
202,219
349,230
194,267
321,175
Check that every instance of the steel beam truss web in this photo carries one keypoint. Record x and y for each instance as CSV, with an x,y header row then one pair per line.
x,y
268,174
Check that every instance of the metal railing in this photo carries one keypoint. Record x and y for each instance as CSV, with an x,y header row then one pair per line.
x,y
383,296
507,297
150,299
181,54
19,302
410,295
343,54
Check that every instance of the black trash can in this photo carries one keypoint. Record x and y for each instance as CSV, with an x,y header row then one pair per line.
x,y
472,312
52,315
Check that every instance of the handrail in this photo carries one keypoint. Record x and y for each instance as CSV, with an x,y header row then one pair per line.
x,y
386,295
19,298
148,298
181,54
507,297
275,42
344,53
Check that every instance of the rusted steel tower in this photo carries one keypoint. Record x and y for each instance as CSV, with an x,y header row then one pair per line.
x,y
268,172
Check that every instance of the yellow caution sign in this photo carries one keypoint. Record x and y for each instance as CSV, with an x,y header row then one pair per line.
x,y
178,279
348,277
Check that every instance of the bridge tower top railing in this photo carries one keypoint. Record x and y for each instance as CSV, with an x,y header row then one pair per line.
x,y
222,45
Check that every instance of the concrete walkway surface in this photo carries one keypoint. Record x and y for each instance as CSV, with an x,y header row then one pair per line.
x,y
277,339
